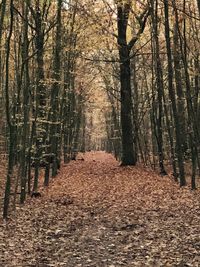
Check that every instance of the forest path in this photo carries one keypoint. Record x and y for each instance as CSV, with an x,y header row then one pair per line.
x,y
98,214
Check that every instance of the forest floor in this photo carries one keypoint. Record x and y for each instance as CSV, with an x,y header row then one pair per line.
x,y
98,214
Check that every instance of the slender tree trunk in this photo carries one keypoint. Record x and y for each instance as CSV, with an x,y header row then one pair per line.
x,y
25,107
2,16
172,96
171,141
40,111
160,87
55,93
179,87
9,122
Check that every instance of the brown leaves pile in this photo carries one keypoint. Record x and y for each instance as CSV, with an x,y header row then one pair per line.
x,y
96,213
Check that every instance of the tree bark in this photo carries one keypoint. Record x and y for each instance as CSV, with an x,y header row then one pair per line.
x,y
160,87
128,147
25,106
56,76
9,121
172,96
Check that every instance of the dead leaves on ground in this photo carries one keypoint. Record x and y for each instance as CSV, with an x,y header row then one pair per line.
x,y
96,213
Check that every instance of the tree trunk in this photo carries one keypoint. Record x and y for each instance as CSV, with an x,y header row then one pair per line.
x,y
25,107
179,88
128,148
172,96
55,93
9,120
160,87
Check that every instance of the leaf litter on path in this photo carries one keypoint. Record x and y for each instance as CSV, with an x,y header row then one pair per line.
x,y
98,214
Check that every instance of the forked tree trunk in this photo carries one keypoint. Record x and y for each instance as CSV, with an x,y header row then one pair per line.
x,y
128,142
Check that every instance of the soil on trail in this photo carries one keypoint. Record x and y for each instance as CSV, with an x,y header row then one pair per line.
x,y
96,213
